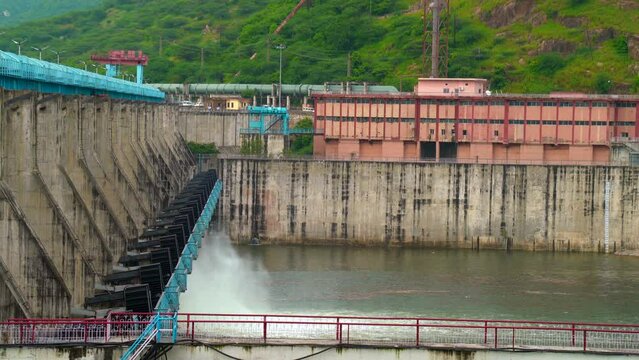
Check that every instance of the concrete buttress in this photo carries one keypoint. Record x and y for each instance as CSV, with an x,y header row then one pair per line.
x,y
73,193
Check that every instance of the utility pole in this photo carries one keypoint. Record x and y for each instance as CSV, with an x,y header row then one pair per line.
x,y
434,72
19,42
280,47
57,54
424,36
40,50
435,37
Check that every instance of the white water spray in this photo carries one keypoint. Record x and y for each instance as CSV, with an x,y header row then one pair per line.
x,y
224,282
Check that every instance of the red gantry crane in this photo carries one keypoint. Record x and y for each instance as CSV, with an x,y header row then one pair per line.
x,y
117,58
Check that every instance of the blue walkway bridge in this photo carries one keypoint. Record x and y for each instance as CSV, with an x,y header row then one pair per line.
x,y
19,72
162,329
270,120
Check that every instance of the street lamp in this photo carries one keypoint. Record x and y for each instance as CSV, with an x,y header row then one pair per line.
x,y
40,50
280,47
19,42
83,63
57,54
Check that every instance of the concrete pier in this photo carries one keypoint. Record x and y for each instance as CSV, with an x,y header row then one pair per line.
x,y
79,177
479,206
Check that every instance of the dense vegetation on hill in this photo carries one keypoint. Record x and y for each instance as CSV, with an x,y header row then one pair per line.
x,y
520,45
13,12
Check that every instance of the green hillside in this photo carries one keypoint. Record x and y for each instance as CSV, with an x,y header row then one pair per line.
x,y
13,12
521,46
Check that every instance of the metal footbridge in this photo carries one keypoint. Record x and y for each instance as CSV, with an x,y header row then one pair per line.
x,y
162,325
18,72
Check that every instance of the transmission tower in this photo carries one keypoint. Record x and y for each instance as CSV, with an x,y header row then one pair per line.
x,y
435,38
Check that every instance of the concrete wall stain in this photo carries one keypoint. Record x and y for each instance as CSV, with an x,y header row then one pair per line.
x,y
79,178
511,207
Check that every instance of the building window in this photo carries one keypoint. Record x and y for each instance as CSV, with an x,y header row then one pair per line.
x,y
496,133
624,134
446,90
464,132
443,132
432,131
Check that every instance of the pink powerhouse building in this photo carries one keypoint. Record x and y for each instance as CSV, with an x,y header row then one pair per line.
x,y
458,118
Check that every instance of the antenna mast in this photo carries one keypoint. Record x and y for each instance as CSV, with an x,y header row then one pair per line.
x,y
435,39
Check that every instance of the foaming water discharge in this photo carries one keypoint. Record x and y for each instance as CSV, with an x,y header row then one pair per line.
x,y
224,282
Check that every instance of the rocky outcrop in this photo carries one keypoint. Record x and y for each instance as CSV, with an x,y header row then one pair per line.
x,y
556,45
633,47
572,21
508,13
598,36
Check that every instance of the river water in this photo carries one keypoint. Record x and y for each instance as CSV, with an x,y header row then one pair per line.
x,y
414,282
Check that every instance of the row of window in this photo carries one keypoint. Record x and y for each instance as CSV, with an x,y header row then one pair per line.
x,y
481,102
476,121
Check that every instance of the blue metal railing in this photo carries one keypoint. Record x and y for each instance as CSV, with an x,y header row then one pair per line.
x,y
138,346
19,72
163,327
170,299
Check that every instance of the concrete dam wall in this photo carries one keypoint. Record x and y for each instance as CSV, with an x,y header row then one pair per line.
x,y
549,208
219,127
79,177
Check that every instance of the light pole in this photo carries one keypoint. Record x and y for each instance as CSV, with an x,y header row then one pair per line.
x,y
40,50
96,67
57,54
83,63
280,47
19,42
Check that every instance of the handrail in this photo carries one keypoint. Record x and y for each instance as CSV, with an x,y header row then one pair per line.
x,y
417,160
138,346
260,329
19,72
170,299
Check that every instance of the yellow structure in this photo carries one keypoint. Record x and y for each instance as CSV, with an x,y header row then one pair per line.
x,y
226,102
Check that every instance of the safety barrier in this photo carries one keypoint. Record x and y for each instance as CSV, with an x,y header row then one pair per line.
x,y
19,72
170,300
330,331
163,327
415,160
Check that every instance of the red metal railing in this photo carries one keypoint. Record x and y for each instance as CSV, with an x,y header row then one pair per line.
x,y
335,330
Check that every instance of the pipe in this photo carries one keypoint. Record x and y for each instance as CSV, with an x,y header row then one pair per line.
x,y
287,89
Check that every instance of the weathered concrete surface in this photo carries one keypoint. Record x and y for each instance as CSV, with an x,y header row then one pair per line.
x,y
62,353
79,177
183,352
219,127
554,208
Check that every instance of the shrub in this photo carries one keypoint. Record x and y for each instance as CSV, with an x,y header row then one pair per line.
x,y
197,148
547,64
603,83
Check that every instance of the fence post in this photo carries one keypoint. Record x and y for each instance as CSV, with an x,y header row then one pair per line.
x,y
193,330
337,328
485,332
585,340
33,333
513,338
573,334
264,331
188,324
417,333
495,337
86,332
